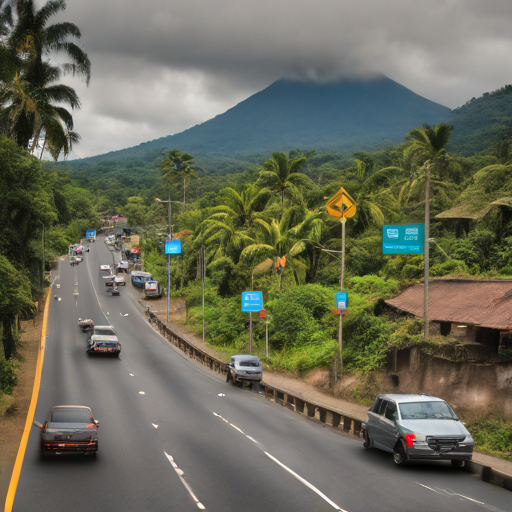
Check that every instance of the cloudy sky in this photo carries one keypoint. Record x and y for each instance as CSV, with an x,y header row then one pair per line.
x,y
161,66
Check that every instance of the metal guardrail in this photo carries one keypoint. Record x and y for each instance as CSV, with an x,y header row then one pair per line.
x,y
309,409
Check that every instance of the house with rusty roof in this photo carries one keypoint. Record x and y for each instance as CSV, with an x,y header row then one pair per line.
x,y
477,313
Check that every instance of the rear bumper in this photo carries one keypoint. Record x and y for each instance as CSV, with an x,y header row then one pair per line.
x,y
103,352
89,446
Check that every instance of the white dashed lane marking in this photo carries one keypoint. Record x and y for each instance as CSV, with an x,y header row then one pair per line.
x,y
286,468
180,474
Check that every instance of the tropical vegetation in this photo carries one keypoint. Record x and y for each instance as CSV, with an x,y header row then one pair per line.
x,y
41,211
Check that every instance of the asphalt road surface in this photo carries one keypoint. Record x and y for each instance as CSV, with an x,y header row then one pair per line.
x,y
217,447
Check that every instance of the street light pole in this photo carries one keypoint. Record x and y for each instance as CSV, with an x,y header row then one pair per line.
x,y
169,220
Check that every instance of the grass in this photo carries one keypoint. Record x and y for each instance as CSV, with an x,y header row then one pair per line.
x,y
493,436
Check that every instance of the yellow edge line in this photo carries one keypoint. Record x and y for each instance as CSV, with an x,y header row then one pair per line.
x,y
11,493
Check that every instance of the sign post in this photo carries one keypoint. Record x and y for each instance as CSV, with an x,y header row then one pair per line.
x,y
341,206
171,247
252,302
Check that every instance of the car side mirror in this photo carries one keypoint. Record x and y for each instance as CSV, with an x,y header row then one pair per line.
x,y
37,424
97,423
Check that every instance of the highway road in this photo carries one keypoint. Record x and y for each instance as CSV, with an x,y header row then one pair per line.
x,y
192,441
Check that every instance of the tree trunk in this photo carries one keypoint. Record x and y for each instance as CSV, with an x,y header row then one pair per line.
x,y
9,339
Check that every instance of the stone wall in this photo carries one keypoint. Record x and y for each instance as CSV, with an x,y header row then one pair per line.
x,y
475,389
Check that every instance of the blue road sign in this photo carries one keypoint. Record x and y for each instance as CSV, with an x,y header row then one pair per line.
x,y
252,302
342,300
403,239
173,247
90,233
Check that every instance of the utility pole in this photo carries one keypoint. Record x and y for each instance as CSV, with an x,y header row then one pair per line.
x,y
426,252
203,276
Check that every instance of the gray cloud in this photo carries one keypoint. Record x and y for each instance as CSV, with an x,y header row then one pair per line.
x,y
160,67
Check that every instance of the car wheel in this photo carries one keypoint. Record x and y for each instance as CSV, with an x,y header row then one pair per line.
x,y
399,455
458,463
368,441
233,380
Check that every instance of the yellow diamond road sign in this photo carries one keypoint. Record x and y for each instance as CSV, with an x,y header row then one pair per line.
x,y
341,205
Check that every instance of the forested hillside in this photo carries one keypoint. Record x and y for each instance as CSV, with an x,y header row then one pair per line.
x,y
482,122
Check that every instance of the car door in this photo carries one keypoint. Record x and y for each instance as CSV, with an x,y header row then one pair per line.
x,y
388,426
375,422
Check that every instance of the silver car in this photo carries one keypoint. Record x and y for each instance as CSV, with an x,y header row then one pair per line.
x,y
69,428
413,427
244,368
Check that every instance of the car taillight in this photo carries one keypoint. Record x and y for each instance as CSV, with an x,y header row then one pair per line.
x,y
93,425
410,438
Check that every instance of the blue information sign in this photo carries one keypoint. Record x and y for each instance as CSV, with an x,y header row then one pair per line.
x,y
173,247
252,302
342,300
90,233
403,239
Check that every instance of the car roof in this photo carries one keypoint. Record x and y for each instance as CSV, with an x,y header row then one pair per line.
x,y
410,397
239,357
104,327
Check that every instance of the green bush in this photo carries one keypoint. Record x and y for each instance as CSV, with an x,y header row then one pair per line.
x,y
318,354
456,267
492,436
8,374
366,344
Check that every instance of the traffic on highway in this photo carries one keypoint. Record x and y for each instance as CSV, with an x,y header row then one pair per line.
x,y
175,436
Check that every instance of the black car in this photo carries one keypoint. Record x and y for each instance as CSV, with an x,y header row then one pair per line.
x,y
69,428
103,344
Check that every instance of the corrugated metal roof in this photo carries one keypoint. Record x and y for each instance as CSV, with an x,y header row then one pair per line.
x,y
482,303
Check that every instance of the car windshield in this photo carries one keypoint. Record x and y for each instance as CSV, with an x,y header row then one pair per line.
x,y
71,415
426,410
249,363
106,344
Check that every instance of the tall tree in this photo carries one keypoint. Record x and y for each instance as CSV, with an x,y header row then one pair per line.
x,y
27,95
242,207
428,142
275,247
176,166
280,175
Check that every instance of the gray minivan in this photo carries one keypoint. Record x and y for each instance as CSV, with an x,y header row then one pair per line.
x,y
412,427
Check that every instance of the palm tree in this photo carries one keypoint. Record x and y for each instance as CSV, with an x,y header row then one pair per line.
x,y
374,199
281,175
426,145
242,207
176,166
30,41
274,247
33,108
